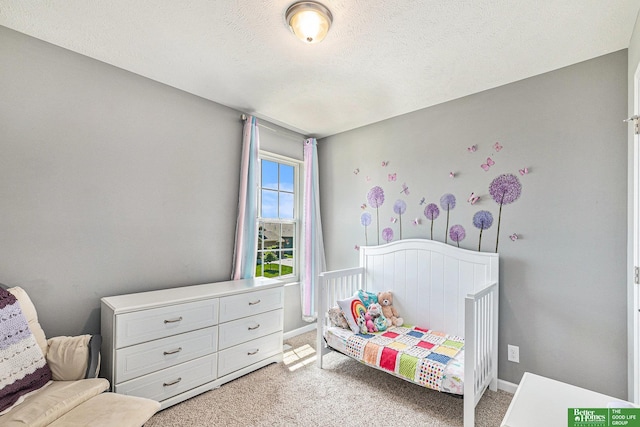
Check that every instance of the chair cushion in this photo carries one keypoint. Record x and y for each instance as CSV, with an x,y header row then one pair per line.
x,y
50,403
68,357
108,410
23,367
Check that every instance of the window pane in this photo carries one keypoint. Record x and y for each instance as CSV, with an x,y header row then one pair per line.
x,y
283,262
288,245
260,237
286,206
286,178
269,208
271,236
269,174
288,237
270,265
259,265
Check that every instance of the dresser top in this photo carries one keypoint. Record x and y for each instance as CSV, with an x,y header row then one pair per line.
x,y
144,300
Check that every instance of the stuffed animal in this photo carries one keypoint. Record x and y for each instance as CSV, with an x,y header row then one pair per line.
x,y
362,324
371,327
385,299
336,316
380,322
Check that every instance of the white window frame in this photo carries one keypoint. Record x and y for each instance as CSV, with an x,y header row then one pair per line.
x,y
297,210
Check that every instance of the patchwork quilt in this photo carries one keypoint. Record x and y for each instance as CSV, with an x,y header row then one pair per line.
x,y
429,358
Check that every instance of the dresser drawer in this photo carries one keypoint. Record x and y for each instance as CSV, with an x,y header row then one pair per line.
x,y
246,354
250,303
141,359
248,328
172,381
146,325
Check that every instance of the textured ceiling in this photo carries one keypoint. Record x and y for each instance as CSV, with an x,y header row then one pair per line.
x,y
381,58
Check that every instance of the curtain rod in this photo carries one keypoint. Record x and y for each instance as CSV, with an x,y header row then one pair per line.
x,y
288,134
244,117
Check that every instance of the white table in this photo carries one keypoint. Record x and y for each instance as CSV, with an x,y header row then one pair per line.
x,y
541,401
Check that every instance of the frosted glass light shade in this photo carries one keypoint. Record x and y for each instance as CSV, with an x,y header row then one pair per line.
x,y
309,21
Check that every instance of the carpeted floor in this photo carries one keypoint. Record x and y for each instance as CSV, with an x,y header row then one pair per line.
x,y
298,393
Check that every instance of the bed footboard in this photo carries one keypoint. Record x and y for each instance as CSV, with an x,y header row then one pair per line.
x,y
334,286
480,348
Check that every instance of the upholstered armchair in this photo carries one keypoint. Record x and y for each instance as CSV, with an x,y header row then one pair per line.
x,y
55,382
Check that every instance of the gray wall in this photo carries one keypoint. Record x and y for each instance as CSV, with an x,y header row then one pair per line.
x,y
563,282
111,183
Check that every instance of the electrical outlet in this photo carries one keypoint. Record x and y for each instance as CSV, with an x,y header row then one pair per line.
x,y
513,353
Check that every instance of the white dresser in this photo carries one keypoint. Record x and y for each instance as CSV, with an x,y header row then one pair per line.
x,y
172,344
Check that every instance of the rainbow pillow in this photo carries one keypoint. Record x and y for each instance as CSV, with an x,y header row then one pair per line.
x,y
353,308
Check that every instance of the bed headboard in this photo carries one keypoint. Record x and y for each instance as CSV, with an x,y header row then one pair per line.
x,y
429,279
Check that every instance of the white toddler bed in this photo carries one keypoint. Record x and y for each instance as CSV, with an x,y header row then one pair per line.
x,y
436,287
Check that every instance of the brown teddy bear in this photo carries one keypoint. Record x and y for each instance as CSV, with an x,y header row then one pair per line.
x,y
385,299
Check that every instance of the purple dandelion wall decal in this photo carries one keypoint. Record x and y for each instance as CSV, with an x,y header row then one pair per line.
x,y
482,220
504,189
457,233
387,234
376,199
365,220
399,207
447,202
431,212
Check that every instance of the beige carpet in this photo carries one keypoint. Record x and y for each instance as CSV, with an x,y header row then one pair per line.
x,y
298,393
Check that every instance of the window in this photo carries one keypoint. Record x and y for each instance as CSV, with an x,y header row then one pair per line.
x,y
277,218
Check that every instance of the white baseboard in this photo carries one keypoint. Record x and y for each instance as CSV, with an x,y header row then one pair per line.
x,y
299,331
507,386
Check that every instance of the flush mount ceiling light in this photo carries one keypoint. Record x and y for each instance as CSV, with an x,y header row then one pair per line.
x,y
309,21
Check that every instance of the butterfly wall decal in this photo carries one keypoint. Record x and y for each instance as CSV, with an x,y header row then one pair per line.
x,y
524,171
487,165
416,221
385,163
452,175
356,171
513,237
497,146
473,198
394,219
356,247
363,206
405,189
422,201
392,177
473,148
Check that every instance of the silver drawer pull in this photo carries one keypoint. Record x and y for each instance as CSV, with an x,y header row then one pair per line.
x,y
251,353
172,383
254,302
254,328
173,320
177,350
